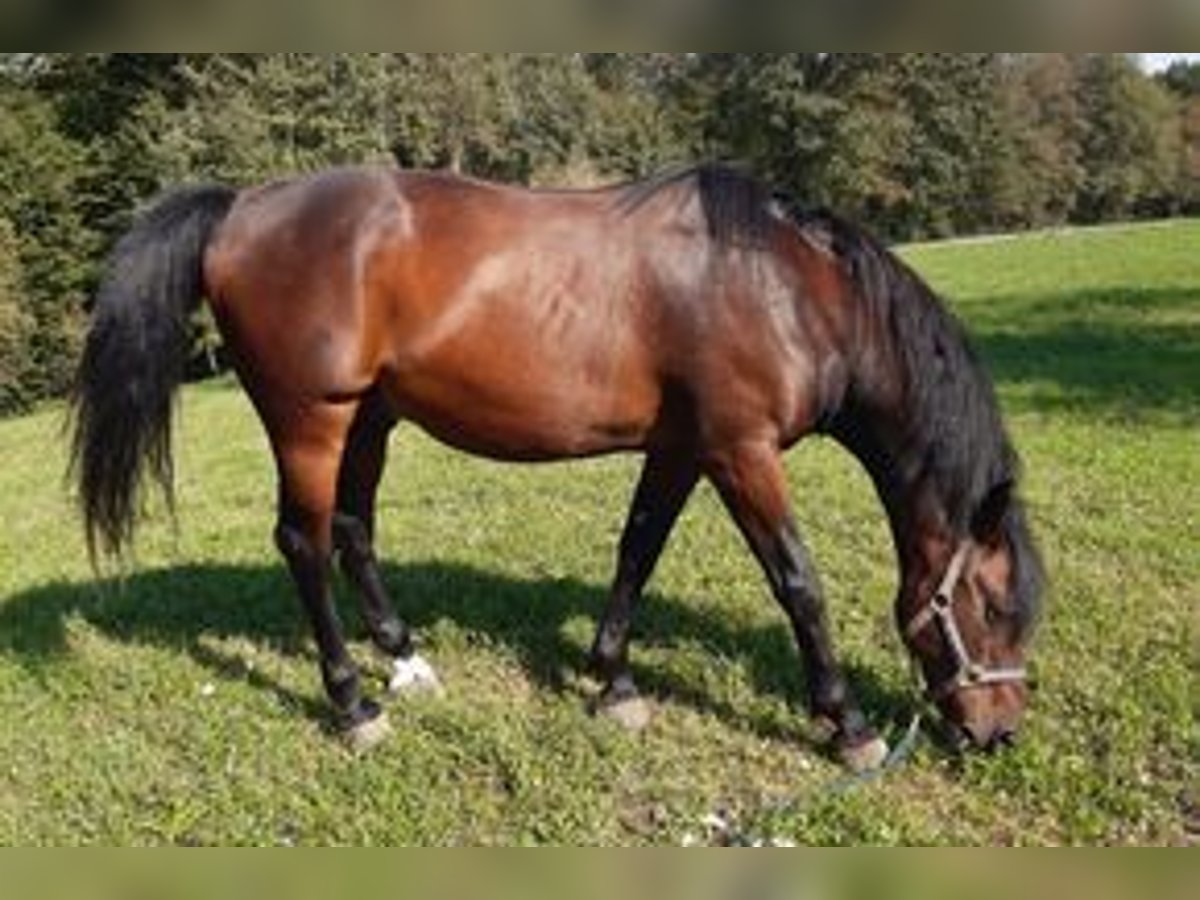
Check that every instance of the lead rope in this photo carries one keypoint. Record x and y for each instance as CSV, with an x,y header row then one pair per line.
x,y
751,834
754,831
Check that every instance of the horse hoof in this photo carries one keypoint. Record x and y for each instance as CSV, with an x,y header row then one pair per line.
x,y
413,676
368,735
868,757
633,713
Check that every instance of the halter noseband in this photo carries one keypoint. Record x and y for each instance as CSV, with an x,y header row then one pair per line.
x,y
940,609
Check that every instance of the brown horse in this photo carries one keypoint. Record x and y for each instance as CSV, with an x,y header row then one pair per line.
x,y
697,318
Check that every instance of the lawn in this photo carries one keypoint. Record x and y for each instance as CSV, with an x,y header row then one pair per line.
x,y
180,701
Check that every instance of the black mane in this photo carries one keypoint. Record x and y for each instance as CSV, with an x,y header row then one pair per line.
x,y
954,434
737,207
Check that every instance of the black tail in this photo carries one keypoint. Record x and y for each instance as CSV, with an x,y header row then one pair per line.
x,y
134,358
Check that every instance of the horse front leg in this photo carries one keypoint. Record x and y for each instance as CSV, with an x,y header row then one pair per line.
x,y
666,482
753,486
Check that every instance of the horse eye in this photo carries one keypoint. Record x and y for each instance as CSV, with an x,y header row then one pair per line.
x,y
993,609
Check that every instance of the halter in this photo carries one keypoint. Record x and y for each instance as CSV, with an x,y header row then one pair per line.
x,y
940,609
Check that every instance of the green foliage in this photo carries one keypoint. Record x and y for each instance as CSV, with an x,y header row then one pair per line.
x,y
1130,158
948,162
1189,163
870,135
775,111
1038,160
245,119
633,122
1182,77
934,144
15,323
907,141
41,172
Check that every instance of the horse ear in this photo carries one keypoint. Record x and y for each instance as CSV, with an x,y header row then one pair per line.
x,y
987,524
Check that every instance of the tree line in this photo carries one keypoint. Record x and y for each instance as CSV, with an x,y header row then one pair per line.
x,y
913,145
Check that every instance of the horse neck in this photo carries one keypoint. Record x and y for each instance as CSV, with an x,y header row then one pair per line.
x,y
919,412
876,424
917,515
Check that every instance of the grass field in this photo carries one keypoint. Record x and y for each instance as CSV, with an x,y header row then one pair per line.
x,y
183,705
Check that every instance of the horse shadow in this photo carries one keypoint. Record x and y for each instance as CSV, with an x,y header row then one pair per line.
x,y
190,609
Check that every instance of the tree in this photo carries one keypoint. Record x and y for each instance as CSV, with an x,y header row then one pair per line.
x,y
1182,79
15,323
950,161
552,112
248,118
454,110
775,111
864,175
905,140
638,120
1190,155
96,97
1038,162
41,171
1131,145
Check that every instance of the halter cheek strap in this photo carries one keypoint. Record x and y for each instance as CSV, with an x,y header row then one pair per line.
x,y
939,610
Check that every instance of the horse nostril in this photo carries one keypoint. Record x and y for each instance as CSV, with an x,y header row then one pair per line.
x,y
1005,739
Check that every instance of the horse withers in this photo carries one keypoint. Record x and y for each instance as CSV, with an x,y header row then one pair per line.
x,y
696,318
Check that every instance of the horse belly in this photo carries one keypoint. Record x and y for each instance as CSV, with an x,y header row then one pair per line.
x,y
520,403
513,422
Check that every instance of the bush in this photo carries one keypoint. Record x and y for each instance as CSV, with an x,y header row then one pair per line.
x,y
15,323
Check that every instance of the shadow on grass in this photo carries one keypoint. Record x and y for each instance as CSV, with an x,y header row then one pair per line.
x,y
186,607
1110,353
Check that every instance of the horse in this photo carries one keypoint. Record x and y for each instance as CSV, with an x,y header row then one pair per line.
x,y
696,317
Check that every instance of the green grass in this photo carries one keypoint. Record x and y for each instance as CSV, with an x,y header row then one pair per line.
x,y
183,704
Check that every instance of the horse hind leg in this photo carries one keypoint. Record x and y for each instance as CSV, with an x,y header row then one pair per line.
x,y
308,450
665,484
354,538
